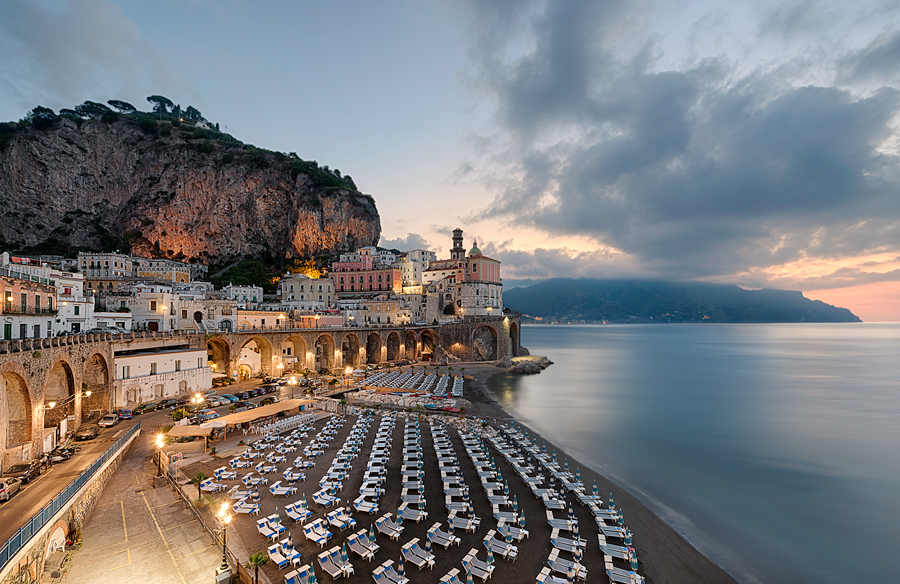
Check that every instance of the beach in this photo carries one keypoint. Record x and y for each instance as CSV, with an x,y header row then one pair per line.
x,y
664,556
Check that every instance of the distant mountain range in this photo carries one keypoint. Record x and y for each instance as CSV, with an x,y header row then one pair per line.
x,y
644,301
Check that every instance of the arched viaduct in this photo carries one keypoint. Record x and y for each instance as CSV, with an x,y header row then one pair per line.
x,y
37,372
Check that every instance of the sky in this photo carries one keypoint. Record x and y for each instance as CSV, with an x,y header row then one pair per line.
x,y
748,142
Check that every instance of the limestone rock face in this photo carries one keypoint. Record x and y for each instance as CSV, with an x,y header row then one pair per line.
x,y
101,182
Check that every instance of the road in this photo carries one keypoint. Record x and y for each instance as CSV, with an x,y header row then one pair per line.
x,y
22,506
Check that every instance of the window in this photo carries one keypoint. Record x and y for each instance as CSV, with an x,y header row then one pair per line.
x,y
262,321
289,351
77,309
177,364
184,314
153,305
24,303
37,304
67,291
152,368
126,372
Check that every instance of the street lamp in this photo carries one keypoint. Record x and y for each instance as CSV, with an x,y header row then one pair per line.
x,y
225,518
160,442
197,400
347,372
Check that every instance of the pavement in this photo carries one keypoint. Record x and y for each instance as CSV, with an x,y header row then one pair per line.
x,y
138,533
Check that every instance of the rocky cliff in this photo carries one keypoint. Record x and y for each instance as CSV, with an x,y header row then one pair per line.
x,y
174,191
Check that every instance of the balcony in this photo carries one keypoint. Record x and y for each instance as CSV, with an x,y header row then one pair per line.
x,y
13,309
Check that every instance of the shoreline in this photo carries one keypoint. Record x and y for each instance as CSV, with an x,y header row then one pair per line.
x,y
665,555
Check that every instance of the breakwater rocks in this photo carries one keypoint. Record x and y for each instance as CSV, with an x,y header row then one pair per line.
x,y
525,365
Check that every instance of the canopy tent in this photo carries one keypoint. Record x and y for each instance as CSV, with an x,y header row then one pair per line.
x,y
179,431
256,413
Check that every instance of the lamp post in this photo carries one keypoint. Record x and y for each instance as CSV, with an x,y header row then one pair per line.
x,y
160,442
225,518
197,400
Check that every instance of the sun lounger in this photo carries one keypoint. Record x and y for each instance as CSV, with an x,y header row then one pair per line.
x,y
362,505
317,532
405,513
341,519
439,537
610,530
223,474
297,513
452,577
292,476
620,576
518,533
290,552
392,574
323,498
613,551
326,563
276,556
479,569
262,526
507,550
386,525
236,493
508,516
546,577
561,524
354,542
551,503
335,555
562,566
464,523
293,577
245,507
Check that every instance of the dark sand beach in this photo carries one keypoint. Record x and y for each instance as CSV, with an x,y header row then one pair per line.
x,y
665,556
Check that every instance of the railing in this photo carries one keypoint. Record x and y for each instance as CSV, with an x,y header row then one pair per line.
x,y
27,277
33,525
27,310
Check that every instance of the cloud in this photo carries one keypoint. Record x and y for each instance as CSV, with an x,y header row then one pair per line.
x,y
696,171
62,53
879,61
410,242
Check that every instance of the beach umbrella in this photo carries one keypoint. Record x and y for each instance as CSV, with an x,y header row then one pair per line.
x,y
450,528
515,503
522,520
570,574
554,455
578,554
469,575
544,448
596,490
509,537
490,558
428,545
578,475
552,482
421,488
627,537
621,519
566,465
571,511
344,557
612,504
400,568
312,574
634,562
575,531
505,488
372,533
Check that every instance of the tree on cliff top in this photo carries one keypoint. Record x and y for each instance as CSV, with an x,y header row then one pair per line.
x,y
42,118
123,106
161,104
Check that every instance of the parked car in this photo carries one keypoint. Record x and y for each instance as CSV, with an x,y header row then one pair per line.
x,y
215,401
88,432
206,415
24,471
8,487
244,404
243,394
166,403
115,330
108,421
269,387
125,414
144,408
268,400
229,397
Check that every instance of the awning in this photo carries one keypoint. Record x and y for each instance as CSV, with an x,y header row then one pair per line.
x,y
261,412
178,431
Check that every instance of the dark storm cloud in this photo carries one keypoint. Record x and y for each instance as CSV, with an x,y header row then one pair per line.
x,y
879,61
693,172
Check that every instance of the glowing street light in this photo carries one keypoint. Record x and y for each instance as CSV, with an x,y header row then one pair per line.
x,y
160,442
225,517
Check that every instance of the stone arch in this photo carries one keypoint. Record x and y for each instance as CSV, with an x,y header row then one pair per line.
x,y
297,345
182,387
484,343
393,346
513,339
198,316
373,348
411,345
261,362
218,352
324,352
95,379
350,350
17,412
430,341
60,389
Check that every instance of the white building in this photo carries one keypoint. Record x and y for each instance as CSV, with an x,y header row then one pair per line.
x,y
300,292
144,376
414,264
248,297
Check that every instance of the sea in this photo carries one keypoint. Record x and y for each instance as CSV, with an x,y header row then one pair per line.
x,y
773,448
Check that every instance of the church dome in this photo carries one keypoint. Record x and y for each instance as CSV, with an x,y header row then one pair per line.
x,y
474,250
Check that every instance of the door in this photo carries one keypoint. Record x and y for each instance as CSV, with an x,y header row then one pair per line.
x,y
153,325
7,332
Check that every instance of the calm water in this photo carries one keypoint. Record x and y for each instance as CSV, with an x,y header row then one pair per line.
x,y
775,449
